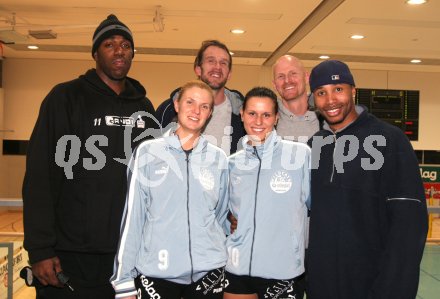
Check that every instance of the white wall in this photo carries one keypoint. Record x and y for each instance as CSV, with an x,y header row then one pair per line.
x,y
3,167
26,82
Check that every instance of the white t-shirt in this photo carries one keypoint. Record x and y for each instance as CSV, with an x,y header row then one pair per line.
x,y
218,130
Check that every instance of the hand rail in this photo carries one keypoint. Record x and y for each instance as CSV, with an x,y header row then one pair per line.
x,y
11,202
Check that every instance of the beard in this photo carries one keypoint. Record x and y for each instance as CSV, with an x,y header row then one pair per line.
x,y
213,83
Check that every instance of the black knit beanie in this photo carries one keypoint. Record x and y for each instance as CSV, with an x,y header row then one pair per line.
x,y
108,27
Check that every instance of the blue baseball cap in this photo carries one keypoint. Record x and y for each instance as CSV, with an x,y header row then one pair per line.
x,y
330,72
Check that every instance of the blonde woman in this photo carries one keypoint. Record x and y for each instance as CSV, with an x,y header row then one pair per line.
x,y
172,244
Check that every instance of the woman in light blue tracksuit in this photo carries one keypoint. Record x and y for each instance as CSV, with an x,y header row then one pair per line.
x,y
172,244
269,192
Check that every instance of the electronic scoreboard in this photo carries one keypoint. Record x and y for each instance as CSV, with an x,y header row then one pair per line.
x,y
397,107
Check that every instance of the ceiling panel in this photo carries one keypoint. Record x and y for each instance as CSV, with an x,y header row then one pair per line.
x,y
395,32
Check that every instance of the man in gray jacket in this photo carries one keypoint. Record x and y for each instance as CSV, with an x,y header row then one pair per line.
x,y
297,121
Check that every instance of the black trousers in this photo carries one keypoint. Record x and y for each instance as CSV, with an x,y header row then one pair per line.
x,y
89,276
264,288
209,286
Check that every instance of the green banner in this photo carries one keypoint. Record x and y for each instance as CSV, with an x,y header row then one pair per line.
x,y
430,174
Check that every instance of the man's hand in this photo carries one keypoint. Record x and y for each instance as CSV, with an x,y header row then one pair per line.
x,y
233,221
45,271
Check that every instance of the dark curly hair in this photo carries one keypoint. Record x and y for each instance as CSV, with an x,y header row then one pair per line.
x,y
261,92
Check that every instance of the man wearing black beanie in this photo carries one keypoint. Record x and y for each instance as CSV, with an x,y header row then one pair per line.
x,y
108,27
75,182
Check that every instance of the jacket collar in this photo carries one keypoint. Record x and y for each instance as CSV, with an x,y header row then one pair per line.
x,y
362,114
174,143
133,89
263,149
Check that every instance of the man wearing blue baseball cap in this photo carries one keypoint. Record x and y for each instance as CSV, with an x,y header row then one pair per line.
x,y
368,221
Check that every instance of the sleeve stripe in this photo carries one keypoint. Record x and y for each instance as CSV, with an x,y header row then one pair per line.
x,y
129,285
126,221
404,199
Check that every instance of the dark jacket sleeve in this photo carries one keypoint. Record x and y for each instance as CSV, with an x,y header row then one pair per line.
x,y
165,113
407,224
43,178
151,123
237,133
238,129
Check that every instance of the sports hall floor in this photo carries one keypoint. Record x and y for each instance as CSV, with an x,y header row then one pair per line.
x,y
429,287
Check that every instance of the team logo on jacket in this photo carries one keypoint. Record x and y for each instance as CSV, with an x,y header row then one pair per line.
x,y
120,121
280,182
206,179
235,180
162,170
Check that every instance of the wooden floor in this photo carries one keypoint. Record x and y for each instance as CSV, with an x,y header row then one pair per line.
x,y
11,225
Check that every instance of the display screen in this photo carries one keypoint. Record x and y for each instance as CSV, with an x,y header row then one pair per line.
x,y
397,107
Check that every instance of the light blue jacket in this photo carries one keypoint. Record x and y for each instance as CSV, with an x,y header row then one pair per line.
x,y
268,192
171,227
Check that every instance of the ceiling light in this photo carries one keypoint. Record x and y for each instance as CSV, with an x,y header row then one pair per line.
x,y
357,36
416,2
416,61
237,31
324,57
32,47
232,53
